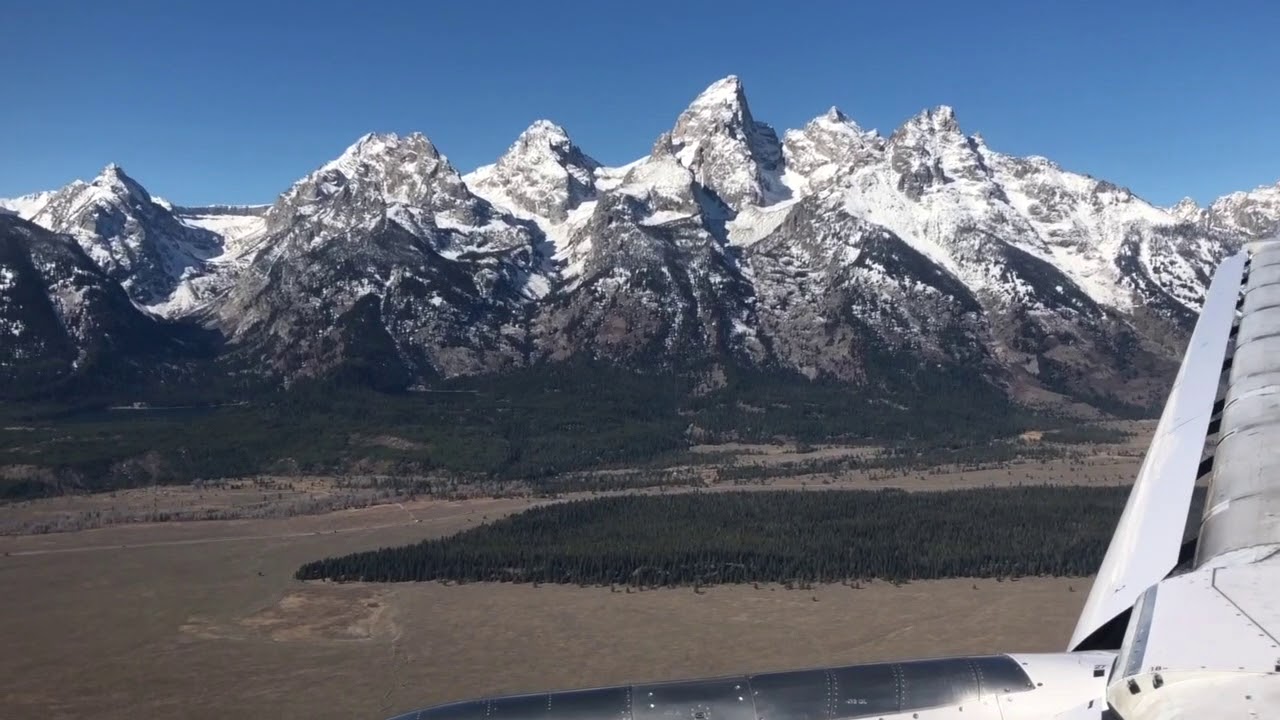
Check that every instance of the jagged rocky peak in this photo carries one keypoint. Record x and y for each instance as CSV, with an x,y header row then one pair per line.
x,y
661,182
1254,214
375,148
114,176
930,149
728,151
543,174
830,146
1187,210
378,171
406,170
940,119
383,255
111,187
545,140
138,242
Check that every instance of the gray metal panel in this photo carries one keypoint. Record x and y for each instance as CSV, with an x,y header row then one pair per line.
x,y
1247,522
520,707
853,691
861,690
1253,383
612,703
723,699
1138,634
1148,538
1261,297
1256,357
1243,506
1000,675
1242,413
1264,275
798,695
1260,323
1265,254
468,710
934,683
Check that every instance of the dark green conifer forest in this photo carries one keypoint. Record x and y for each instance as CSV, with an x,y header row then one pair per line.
x,y
530,425
766,536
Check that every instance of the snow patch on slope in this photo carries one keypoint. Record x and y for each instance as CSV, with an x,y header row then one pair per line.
x,y
237,231
1083,226
27,206
1254,214
753,224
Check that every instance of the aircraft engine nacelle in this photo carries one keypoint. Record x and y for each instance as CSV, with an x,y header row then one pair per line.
x,y
995,687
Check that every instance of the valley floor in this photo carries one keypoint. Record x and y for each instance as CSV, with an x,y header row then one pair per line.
x,y
204,619
736,466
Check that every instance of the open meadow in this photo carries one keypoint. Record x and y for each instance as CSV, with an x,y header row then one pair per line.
x,y
203,619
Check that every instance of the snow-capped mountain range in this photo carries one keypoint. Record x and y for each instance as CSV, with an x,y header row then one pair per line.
x,y
830,251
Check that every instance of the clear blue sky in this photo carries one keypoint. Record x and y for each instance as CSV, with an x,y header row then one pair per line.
x,y
232,101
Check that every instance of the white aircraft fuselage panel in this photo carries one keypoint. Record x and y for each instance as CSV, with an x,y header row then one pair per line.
x,y
1214,630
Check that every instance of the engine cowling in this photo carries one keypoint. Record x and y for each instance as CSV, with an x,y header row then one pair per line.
x,y
999,687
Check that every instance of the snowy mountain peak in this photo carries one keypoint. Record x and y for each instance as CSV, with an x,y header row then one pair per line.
x,y
1187,210
377,171
381,148
934,121
139,243
829,147
545,141
542,175
835,115
1254,214
112,190
730,153
930,150
115,181
840,123
544,131
724,93
720,110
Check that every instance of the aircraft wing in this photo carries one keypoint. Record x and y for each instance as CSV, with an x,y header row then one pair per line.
x,y
1206,642
1148,539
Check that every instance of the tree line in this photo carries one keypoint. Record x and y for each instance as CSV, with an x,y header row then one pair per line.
x,y
532,425
787,536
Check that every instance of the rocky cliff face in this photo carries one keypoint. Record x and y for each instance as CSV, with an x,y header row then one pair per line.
x,y
386,246
63,318
138,242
